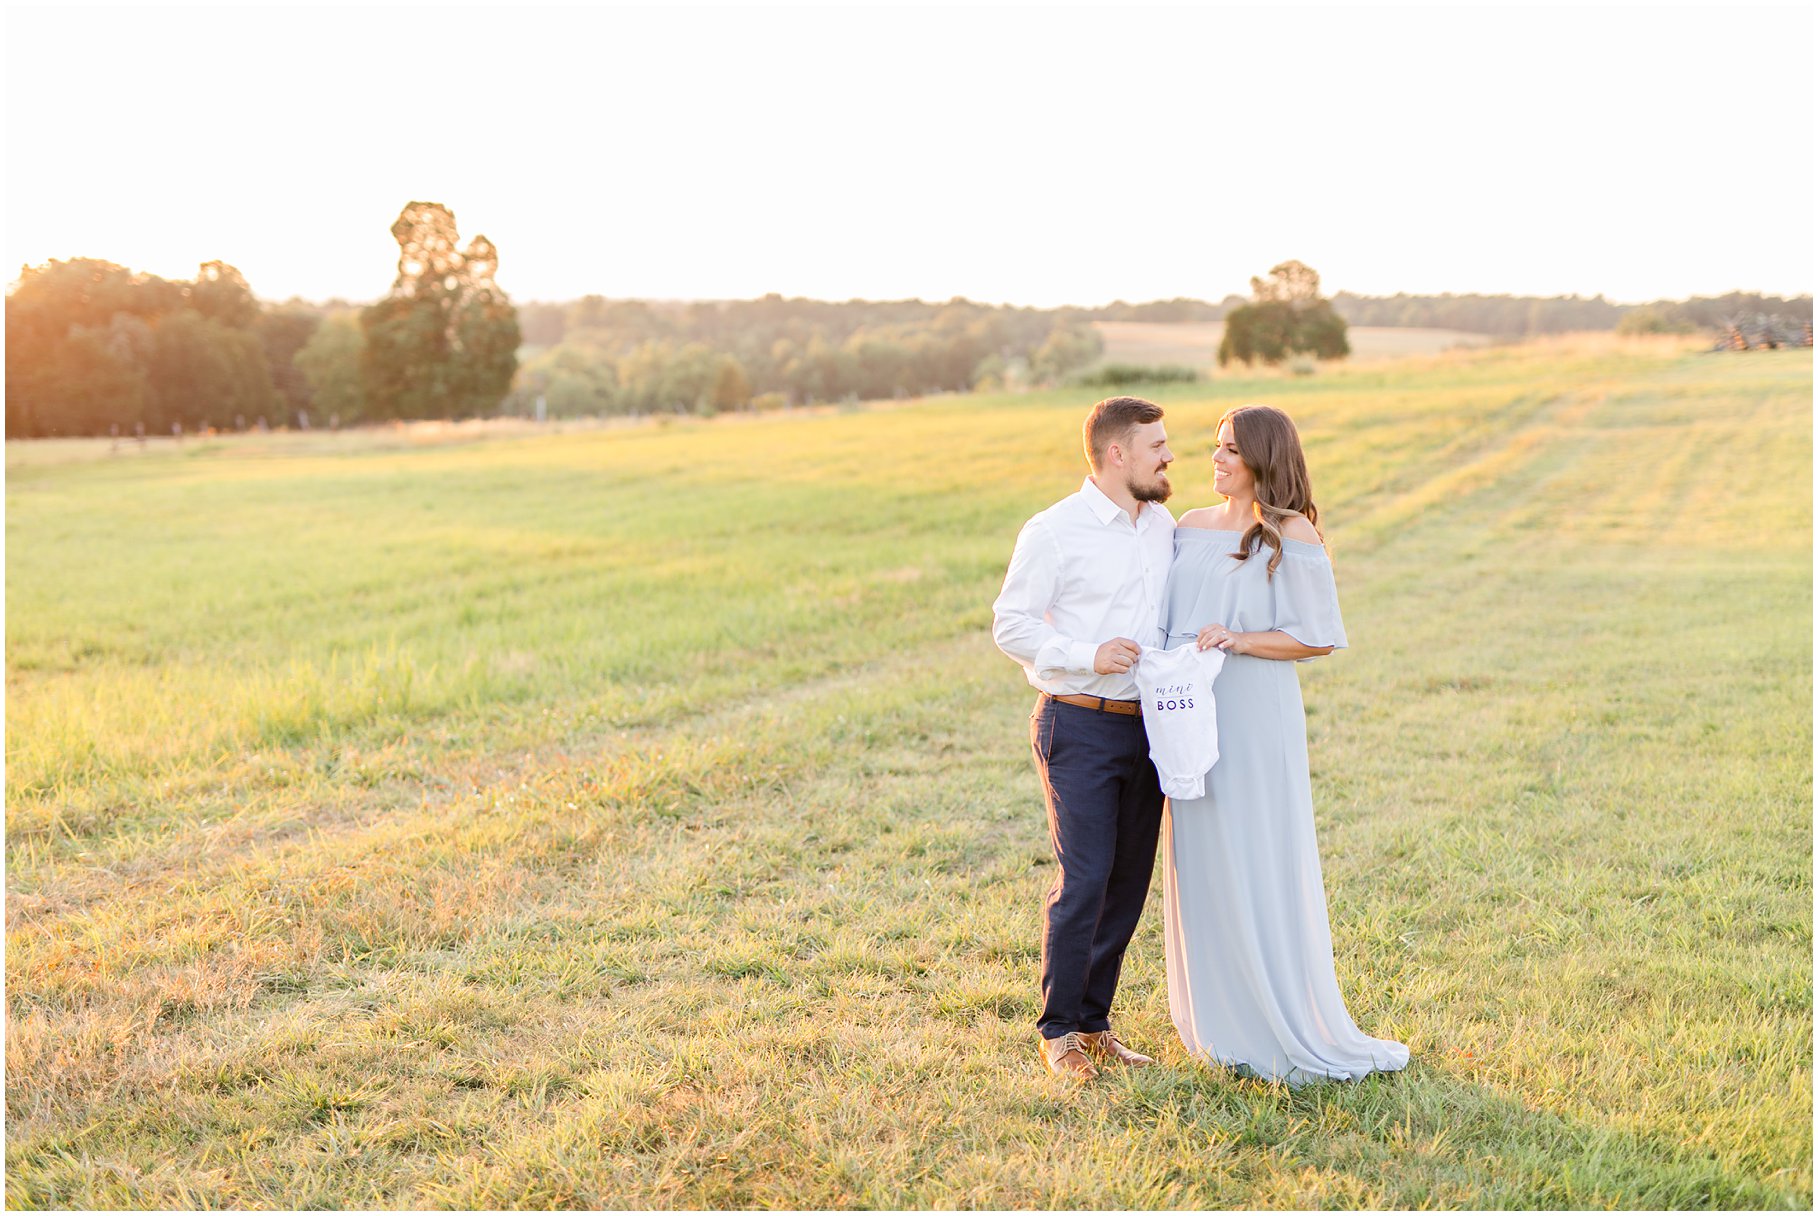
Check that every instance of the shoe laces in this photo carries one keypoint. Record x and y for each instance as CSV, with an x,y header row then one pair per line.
x,y
1071,1041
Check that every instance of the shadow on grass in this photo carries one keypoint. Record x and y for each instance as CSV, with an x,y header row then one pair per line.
x,y
1425,1137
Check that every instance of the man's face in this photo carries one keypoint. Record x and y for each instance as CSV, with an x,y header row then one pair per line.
x,y
1146,461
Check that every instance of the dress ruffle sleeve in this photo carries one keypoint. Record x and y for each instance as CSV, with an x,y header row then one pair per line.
x,y
1306,596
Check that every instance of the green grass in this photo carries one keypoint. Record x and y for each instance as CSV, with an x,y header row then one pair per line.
x,y
642,817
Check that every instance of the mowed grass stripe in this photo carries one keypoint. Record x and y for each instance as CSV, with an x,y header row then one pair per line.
x,y
778,946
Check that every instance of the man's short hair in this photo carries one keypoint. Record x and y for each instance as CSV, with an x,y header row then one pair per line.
x,y
1112,420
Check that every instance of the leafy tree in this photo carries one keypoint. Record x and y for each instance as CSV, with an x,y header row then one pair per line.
x,y
882,365
990,374
444,342
52,388
1287,316
689,377
1290,282
101,382
1066,349
91,345
1653,319
819,371
576,376
1321,332
284,332
731,387
220,293
53,298
331,362
486,330
640,377
1260,331
201,373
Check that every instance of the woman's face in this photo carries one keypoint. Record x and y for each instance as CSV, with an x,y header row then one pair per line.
x,y
1230,475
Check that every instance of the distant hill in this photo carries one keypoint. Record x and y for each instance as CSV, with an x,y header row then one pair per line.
x,y
1195,343
1497,316
1528,316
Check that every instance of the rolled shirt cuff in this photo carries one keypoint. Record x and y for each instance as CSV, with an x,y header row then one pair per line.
x,y
1064,657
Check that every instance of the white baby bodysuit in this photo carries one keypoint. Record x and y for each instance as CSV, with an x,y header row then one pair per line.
x,y
1176,687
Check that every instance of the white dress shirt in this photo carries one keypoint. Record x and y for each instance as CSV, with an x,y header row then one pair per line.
x,y
1083,574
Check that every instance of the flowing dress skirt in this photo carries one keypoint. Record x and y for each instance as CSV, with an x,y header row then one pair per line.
x,y
1251,982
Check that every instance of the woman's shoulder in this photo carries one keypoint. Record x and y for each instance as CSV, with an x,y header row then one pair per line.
x,y
1195,518
1299,527
1202,518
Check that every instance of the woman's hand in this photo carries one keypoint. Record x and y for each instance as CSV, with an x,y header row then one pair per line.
x,y
1268,644
1222,638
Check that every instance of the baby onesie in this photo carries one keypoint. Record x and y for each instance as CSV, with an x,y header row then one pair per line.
x,y
1176,687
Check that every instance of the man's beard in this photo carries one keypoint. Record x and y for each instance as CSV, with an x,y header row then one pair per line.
x,y
1156,492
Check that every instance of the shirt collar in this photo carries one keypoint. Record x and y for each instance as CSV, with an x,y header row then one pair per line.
x,y
1104,510
1100,505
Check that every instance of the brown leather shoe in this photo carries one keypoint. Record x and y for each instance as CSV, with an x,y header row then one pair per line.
x,y
1103,1046
1066,1057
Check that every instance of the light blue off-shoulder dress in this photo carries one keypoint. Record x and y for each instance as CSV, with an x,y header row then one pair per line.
x,y
1250,977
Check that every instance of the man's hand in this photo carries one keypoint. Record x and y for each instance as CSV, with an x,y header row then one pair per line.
x,y
1116,657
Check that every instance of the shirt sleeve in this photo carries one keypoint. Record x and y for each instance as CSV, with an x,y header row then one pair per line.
x,y
1306,599
1019,623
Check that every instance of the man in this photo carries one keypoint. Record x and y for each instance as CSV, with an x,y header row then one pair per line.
x,y
1080,601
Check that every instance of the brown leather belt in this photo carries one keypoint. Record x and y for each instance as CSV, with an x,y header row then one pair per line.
x,y
1102,704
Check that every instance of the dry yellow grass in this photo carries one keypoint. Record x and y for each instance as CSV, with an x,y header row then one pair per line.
x,y
641,818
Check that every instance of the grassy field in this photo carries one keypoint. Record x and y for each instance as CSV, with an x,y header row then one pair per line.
x,y
1195,344
643,818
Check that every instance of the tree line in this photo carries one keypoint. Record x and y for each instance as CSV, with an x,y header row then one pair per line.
x,y
93,348
1499,316
1517,317
598,356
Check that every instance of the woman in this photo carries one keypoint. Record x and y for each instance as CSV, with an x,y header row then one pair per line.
x,y
1250,976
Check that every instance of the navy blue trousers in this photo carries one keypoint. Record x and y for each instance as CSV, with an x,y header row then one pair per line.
x,y
1104,818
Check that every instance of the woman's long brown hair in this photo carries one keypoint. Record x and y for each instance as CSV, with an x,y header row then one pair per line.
x,y
1269,446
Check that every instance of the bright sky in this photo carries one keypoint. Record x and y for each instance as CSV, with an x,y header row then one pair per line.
x,y
1032,155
